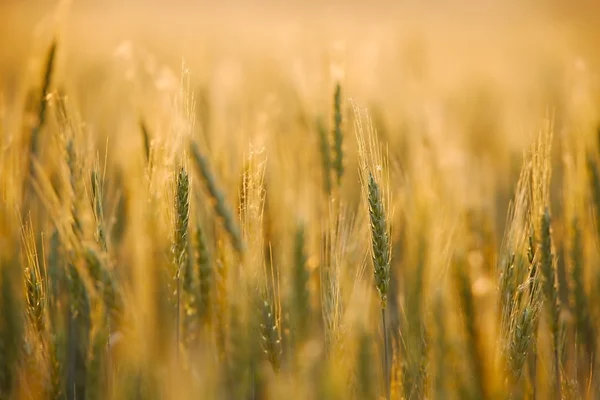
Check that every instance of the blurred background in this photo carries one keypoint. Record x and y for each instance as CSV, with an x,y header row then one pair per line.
x,y
475,78
467,75
395,53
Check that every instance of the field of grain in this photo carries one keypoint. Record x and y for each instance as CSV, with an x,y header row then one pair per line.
x,y
299,200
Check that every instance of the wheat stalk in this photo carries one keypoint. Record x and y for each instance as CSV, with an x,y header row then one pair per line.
x,y
372,165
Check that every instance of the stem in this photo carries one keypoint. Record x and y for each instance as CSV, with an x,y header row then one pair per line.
x,y
386,363
533,367
71,356
178,314
557,367
107,366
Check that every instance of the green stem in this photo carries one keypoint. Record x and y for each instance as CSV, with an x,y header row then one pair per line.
x,y
178,315
386,364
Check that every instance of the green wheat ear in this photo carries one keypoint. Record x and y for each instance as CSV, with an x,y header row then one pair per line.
x,y
221,297
381,262
146,139
43,104
551,290
338,136
182,217
221,209
522,332
324,149
372,161
584,323
96,368
104,280
379,240
35,286
98,209
270,335
180,243
301,295
205,273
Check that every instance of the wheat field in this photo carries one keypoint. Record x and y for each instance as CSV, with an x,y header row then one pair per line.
x,y
299,200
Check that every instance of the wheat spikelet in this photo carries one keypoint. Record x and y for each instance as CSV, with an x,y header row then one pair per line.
x,y
301,295
205,275
550,290
96,379
180,242
42,108
338,136
35,287
221,297
333,243
380,240
180,245
103,280
270,334
74,179
324,149
98,209
580,300
219,199
522,331
146,139
574,188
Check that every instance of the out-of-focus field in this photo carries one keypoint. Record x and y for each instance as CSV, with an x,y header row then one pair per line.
x,y
503,64
194,202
